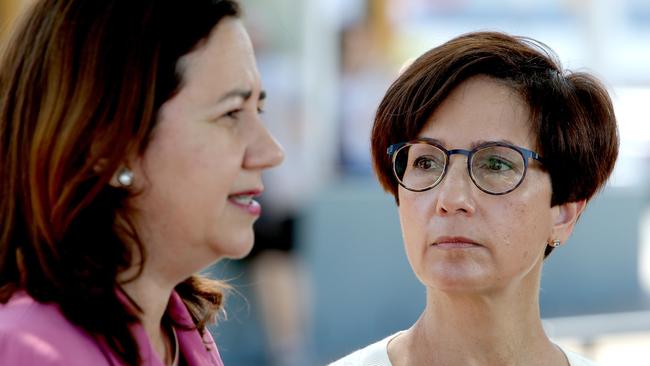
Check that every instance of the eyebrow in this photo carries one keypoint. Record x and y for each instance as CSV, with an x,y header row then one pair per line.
x,y
483,142
473,144
242,93
439,142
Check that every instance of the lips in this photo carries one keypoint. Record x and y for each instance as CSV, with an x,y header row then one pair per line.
x,y
245,201
455,242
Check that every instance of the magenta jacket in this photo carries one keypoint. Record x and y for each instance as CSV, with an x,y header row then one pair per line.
x,y
32,333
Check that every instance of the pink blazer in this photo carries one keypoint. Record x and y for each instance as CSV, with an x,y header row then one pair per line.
x,y
32,333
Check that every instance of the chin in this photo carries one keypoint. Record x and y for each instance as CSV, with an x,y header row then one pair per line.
x,y
454,280
460,288
236,248
241,254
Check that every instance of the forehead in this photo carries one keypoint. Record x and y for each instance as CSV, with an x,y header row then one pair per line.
x,y
481,108
222,61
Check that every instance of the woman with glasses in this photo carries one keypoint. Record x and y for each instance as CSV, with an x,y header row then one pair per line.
x,y
491,151
132,149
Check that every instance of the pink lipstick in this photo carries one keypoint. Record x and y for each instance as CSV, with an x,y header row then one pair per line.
x,y
245,201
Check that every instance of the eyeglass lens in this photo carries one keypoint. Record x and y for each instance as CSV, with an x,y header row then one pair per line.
x,y
494,169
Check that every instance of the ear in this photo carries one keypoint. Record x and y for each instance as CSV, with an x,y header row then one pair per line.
x,y
564,218
102,164
102,157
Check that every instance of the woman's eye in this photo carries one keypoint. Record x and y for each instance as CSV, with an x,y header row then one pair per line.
x,y
497,164
425,163
233,113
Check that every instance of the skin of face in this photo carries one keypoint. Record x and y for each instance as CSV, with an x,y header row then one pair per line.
x,y
205,158
460,240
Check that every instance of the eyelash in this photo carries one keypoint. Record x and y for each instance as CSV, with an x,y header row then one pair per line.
x,y
232,114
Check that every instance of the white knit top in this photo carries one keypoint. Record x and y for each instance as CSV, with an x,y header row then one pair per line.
x,y
376,354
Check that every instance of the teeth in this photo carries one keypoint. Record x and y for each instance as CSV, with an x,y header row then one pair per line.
x,y
243,200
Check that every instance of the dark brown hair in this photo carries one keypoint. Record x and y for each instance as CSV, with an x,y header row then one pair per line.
x,y
571,113
81,83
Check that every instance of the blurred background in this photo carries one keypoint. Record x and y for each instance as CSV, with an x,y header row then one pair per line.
x,y
329,273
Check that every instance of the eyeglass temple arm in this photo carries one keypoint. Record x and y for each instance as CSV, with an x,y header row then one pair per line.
x,y
534,155
394,147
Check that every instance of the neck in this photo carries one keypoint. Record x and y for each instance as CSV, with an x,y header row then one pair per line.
x,y
479,331
152,288
151,293
502,327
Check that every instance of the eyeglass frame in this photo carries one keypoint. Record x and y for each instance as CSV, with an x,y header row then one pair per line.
x,y
526,154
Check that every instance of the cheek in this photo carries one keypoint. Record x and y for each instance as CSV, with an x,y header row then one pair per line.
x,y
203,154
410,214
527,226
214,161
188,175
414,214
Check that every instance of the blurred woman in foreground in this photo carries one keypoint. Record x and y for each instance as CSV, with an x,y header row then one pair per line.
x,y
132,149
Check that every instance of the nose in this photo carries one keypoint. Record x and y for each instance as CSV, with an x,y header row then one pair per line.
x,y
264,151
454,193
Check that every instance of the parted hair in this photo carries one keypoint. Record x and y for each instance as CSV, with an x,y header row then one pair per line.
x,y
571,113
81,83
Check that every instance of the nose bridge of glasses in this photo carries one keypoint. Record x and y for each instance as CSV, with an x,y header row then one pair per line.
x,y
462,165
455,185
467,153
450,153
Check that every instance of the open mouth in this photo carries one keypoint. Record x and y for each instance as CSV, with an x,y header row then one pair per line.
x,y
243,199
246,201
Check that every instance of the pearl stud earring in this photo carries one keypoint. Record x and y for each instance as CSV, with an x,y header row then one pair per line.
x,y
125,177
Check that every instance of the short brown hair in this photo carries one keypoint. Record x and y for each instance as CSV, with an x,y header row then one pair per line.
x,y
571,113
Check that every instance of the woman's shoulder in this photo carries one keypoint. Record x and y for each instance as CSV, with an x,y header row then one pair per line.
x,y
375,354
36,333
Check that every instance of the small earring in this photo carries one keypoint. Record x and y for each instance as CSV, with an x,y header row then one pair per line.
x,y
555,243
125,177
